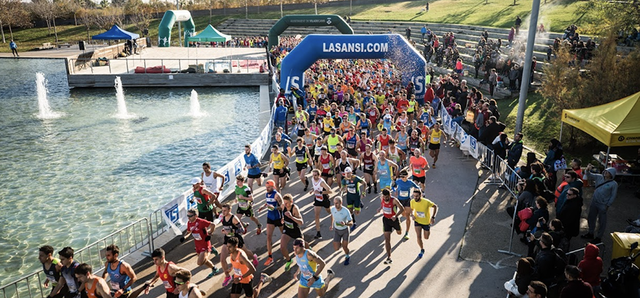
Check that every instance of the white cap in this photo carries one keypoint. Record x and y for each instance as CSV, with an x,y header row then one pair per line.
x,y
348,170
328,114
195,180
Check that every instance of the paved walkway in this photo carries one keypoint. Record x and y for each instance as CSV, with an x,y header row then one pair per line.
x,y
451,187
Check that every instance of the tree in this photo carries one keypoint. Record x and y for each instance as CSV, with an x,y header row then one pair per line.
x,y
609,16
139,13
48,10
609,76
13,14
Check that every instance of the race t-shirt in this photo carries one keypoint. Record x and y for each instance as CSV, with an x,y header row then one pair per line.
x,y
422,211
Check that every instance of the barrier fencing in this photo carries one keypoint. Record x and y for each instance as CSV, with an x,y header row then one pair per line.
x,y
134,236
142,232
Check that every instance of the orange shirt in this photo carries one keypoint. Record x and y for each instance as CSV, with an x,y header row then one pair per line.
x,y
240,269
91,292
417,165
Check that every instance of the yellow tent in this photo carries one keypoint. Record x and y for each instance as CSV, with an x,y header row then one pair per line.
x,y
616,124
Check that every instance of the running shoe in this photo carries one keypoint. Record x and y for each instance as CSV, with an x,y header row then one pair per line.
x,y
406,236
433,165
306,185
268,261
421,254
317,236
346,261
287,265
353,227
214,251
255,260
330,274
214,271
264,278
388,261
227,280
259,229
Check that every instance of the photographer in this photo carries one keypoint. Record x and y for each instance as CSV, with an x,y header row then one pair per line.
x,y
541,212
555,229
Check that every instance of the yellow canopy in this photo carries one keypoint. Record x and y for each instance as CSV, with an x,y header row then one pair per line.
x,y
616,124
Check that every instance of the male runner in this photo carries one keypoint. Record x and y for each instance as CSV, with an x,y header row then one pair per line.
x,y
67,276
280,164
253,167
368,161
351,140
51,267
274,216
320,192
244,198
122,276
185,288
243,272
385,170
231,227
351,187
403,192
94,286
419,165
310,265
326,164
197,227
436,136
383,140
340,222
210,179
390,220
205,199
396,154
292,220
303,158
165,271
332,140
423,217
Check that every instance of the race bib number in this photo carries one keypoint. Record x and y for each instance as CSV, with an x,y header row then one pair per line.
x,y
299,158
420,214
196,236
383,172
404,193
339,224
326,166
270,207
288,225
387,210
52,279
435,140
114,285
364,130
243,204
332,147
237,272
306,274
351,189
319,197
318,150
166,284
417,170
368,167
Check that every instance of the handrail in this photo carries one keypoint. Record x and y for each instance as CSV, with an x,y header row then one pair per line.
x,y
130,238
128,65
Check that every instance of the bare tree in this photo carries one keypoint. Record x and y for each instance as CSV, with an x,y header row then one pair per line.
x,y
139,14
13,14
47,10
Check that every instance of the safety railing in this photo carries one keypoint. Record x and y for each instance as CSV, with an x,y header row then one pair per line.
x,y
167,65
133,237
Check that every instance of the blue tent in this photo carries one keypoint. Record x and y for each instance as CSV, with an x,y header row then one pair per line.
x,y
116,33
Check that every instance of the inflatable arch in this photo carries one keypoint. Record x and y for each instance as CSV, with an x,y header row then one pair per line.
x,y
307,20
171,17
378,46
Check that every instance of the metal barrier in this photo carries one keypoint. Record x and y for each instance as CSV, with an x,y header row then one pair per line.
x,y
199,65
134,236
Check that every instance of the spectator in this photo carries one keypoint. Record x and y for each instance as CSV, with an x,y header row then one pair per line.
x,y
517,24
423,31
570,213
493,81
280,116
545,261
511,35
537,289
408,33
571,179
515,150
576,287
591,266
14,48
606,190
519,285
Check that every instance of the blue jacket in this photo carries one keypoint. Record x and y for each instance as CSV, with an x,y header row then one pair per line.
x,y
606,190
280,115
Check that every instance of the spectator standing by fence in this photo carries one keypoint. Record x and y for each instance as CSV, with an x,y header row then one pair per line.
x,y
605,192
14,48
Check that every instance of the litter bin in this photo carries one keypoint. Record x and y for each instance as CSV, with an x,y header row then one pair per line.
x,y
622,243
81,45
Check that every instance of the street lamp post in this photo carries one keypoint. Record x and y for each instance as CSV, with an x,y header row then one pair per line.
x,y
526,75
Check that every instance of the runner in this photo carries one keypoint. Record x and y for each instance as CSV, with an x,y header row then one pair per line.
x,y
403,190
231,227
368,160
210,180
292,220
185,289
280,164
273,202
436,136
419,165
303,159
364,125
383,140
205,199
51,267
344,162
243,272
423,217
390,220
197,227
326,164
362,144
403,139
351,188
340,222
310,266
67,276
332,140
165,271
351,139
94,286
328,124
253,167
414,142
396,155
385,170
122,277
244,198
320,192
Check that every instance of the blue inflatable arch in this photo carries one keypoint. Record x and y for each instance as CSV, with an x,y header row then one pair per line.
x,y
359,46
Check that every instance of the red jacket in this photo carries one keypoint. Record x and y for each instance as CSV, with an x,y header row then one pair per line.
x,y
429,95
591,265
